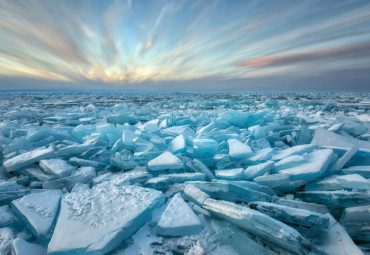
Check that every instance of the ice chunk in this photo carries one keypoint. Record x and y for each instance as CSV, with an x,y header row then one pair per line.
x,y
356,220
337,198
22,247
6,238
292,215
178,219
261,155
28,158
295,150
230,174
332,140
195,195
85,162
237,149
353,181
361,170
165,180
259,224
303,205
38,211
239,119
35,173
138,175
165,161
101,218
7,217
257,170
203,168
272,180
128,137
231,192
74,149
204,145
57,167
335,240
329,183
339,164
288,162
82,175
251,185
178,144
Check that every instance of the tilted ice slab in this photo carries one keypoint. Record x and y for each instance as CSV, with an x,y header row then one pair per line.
x,y
356,220
28,158
259,224
178,144
57,167
332,140
338,198
22,247
292,215
165,180
237,149
165,161
295,150
96,220
178,219
38,211
258,170
361,170
230,174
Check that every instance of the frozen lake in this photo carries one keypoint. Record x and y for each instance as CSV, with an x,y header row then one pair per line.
x,y
181,173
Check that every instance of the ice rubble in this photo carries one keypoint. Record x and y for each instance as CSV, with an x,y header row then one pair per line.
x,y
184,173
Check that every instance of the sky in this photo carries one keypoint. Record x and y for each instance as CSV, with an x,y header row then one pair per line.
x,y
190,45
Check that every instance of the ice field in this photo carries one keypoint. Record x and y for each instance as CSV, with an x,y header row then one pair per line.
x,y
181,173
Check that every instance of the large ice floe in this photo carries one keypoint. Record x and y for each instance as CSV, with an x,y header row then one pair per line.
x,y
129,173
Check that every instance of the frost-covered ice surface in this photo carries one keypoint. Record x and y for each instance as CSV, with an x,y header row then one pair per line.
x,y
113,173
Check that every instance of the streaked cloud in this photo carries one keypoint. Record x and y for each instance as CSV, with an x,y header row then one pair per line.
x,y
119,42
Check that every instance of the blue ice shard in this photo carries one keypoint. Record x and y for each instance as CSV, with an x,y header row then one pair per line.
x,y
238,150
38,211
165,161
101,218
22,247
178,219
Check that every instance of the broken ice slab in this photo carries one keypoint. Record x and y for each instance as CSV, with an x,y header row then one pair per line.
x,y
356,221
259,224
230,174
35,173
328,139
178,219
261,155
288,162
135,176
101,217
251,185
82,175
22,247
122,162
292,215
178,144
7,217
57,167
295,150
230,192
28,158
257,170
317,163
128,138
165,180
334,240
240,119
303,205
361,170
354,181
273,180
238,150
342,161
326,184
195,195
74,149
7,236
202,145
7,196
177,130
165,161
338,198
201,167
85,162
38,211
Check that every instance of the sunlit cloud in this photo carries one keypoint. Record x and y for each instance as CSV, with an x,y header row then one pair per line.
x,y
123,42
